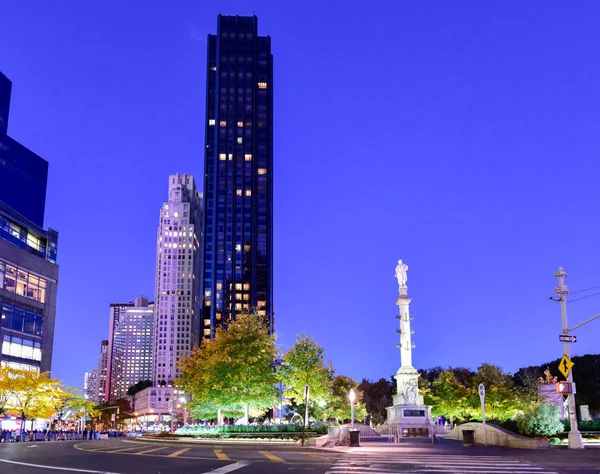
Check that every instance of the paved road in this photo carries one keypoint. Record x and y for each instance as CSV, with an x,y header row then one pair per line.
x,y
132,457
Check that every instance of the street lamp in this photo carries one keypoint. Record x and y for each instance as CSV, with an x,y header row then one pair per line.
x,y
352,398
183,400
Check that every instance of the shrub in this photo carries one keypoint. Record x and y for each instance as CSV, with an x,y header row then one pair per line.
x,y
541,420
555,441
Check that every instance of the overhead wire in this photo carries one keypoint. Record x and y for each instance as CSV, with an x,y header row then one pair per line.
x,y
583,297
582,291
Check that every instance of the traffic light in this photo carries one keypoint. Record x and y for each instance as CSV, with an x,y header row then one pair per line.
x,y
564,387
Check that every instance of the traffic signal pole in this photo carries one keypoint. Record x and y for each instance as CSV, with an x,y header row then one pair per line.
x,y
575,440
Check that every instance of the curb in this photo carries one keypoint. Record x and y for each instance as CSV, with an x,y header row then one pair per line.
x,y
232,444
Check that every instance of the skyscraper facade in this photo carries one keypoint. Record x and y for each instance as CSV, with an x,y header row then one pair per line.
x,y
178,267
130,345
23,174
238,174
100,388
28,269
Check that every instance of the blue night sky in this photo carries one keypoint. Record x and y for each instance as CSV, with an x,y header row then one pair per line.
x,y
460,136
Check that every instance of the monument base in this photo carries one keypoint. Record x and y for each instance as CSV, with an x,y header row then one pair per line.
x,y
409,415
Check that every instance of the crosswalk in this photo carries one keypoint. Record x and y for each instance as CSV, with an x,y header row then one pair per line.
x,y
406,463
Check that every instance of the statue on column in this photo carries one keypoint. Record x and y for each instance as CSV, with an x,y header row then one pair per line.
x,y
401,275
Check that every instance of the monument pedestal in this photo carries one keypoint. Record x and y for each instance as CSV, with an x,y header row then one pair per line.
x,y
408,416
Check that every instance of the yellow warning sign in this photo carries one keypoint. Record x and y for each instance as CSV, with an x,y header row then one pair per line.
x,y
565,365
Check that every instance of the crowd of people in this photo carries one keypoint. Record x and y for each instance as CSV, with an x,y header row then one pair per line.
x,y
15,436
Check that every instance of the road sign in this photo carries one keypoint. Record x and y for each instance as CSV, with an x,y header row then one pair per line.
x,y
565,365
113,417
565,338
564,388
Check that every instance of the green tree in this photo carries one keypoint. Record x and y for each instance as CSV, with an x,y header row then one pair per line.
x,y
540,420
339,406
502,398
586,375
232,372
305,365
377,396
450,394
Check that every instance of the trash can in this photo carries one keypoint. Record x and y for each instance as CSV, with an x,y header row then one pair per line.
x,y
354,437
469,437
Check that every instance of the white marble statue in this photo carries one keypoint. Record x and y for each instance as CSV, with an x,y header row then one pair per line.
x,y
410,392
401,275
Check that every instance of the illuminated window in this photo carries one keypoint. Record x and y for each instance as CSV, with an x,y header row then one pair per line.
x,y
246,286
207,332
219,286
262,304
248,192
238,296
238,247
207,293
223,123
262,85
207,322
213,68
247,248
230,156
262,170
248,157
240,140
238,306
211,122
238,286
239,192
207,303
246,297
218,316
240,124
222,156
261,312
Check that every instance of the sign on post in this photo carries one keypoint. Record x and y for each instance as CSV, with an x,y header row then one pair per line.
x,y
565,365
113,417
481,390
565,338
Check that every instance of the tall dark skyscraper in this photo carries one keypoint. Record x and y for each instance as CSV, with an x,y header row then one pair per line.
x,y
23,174
28,269
238,174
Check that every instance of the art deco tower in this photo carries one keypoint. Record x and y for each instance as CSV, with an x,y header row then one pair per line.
x,y
177,302
238,174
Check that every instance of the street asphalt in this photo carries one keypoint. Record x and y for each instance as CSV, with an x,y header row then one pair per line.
x,y
118,456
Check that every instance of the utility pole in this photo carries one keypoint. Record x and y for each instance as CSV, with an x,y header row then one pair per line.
x,y
575,440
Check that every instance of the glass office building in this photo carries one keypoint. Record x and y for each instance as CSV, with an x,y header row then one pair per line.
x,y
28,269
238,179
23,174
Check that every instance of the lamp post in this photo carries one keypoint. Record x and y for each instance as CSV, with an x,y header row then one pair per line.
x,y
183,400
352,398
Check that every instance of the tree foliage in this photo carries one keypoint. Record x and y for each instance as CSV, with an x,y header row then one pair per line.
x,y
305,365
453,393
232,371
138,387
586,375
30,393
377,396
339,406
540,420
